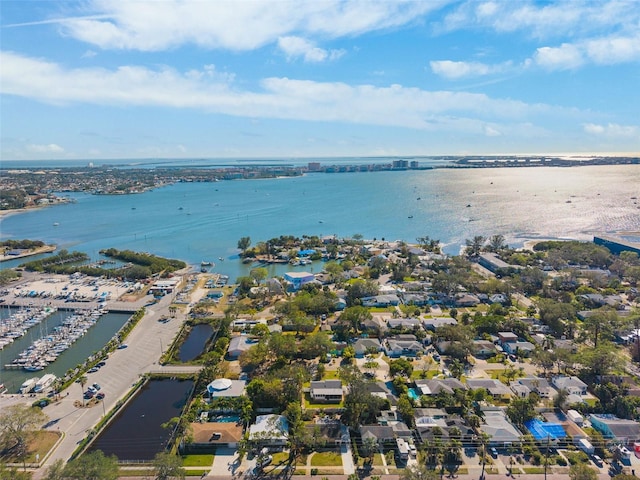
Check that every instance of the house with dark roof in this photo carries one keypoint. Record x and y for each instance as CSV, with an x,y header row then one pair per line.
x,y
434,323
495,387
381,433
326,391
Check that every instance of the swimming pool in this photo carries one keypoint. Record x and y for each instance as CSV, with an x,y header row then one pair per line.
x,y
413,395
225,419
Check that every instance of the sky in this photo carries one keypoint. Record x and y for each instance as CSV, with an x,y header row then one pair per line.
x,y
101,79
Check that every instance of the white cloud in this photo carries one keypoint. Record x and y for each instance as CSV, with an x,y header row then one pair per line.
x,y
152,26
609,50
280,98
564,57
50,148
294,47
544,19
490,131
612,130
455,70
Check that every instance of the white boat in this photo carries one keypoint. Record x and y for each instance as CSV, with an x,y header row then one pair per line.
x,y
3,389
28,385
44,383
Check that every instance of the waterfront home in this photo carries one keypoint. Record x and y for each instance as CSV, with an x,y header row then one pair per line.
x,y
239,344
269,430
326,391
209,435
619,429
298,279
573,385
225,387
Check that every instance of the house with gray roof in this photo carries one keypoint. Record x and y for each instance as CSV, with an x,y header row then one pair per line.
x,y
326,391
363,345
239,344
622,430
500,431
435,386
381,301
496,388
539,385
381,433
573,385
406,323
396,347
435,323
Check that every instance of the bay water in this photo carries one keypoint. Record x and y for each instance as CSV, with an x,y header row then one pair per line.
x,y
203,221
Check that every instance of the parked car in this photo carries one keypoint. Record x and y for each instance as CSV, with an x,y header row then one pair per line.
x,y
264,461
88,394
494,452
96,386
93,370
100,396
121,346
597,460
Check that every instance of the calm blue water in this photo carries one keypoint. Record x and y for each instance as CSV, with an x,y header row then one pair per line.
x,y
448,204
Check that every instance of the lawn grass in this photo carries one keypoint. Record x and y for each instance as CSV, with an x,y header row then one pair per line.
x,y
326,459
126,472
330,375
533,470
204,460
40,444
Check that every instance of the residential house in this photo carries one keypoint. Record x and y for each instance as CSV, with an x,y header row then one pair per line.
x,y
269,430
381,301
496,388
435,386
381,433
327,433
573,385
403,345
362,346
520,348
541,386
298,279
435,323
374,325
415,298
507,337
224,387
624,431
239,344
326,391
500,431
210,435
405,323
466,300
483,348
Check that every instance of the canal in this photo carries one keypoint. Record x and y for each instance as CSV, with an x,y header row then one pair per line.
x,y
194,344
136,433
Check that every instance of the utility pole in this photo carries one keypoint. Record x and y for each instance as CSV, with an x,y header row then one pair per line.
x,y
546,458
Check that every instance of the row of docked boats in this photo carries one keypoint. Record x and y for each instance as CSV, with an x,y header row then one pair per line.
x,y
46,350
17,324
37,385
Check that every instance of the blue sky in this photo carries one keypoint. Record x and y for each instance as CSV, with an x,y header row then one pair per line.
x,y
127,79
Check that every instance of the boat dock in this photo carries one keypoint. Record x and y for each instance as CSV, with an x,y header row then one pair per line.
x,y
21,321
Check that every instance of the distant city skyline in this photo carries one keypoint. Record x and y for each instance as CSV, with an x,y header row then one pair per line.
x,y
101,79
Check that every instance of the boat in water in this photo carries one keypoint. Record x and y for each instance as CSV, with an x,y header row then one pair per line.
x,y
44,383
28,385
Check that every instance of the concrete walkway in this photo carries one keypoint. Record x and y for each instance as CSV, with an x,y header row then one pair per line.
x,y
346,453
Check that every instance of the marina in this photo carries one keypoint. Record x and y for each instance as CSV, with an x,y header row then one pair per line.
x,y
18,323
46,349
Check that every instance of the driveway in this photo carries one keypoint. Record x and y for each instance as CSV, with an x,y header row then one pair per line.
x,y
223,462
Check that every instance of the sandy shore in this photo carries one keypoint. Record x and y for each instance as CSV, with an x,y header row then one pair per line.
x,y
30,253
15,211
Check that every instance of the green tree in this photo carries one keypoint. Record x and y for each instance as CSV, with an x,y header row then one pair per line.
x,y
582,471
452,457
244,243
259,274
401,366
18,424
55,471
369,448
474,246
168,466
92,466
418,472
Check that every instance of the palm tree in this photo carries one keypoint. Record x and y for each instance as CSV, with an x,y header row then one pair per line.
x,y
83,382
474,246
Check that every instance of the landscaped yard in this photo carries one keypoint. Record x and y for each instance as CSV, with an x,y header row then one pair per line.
x,y
205,460
308,404
326,459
